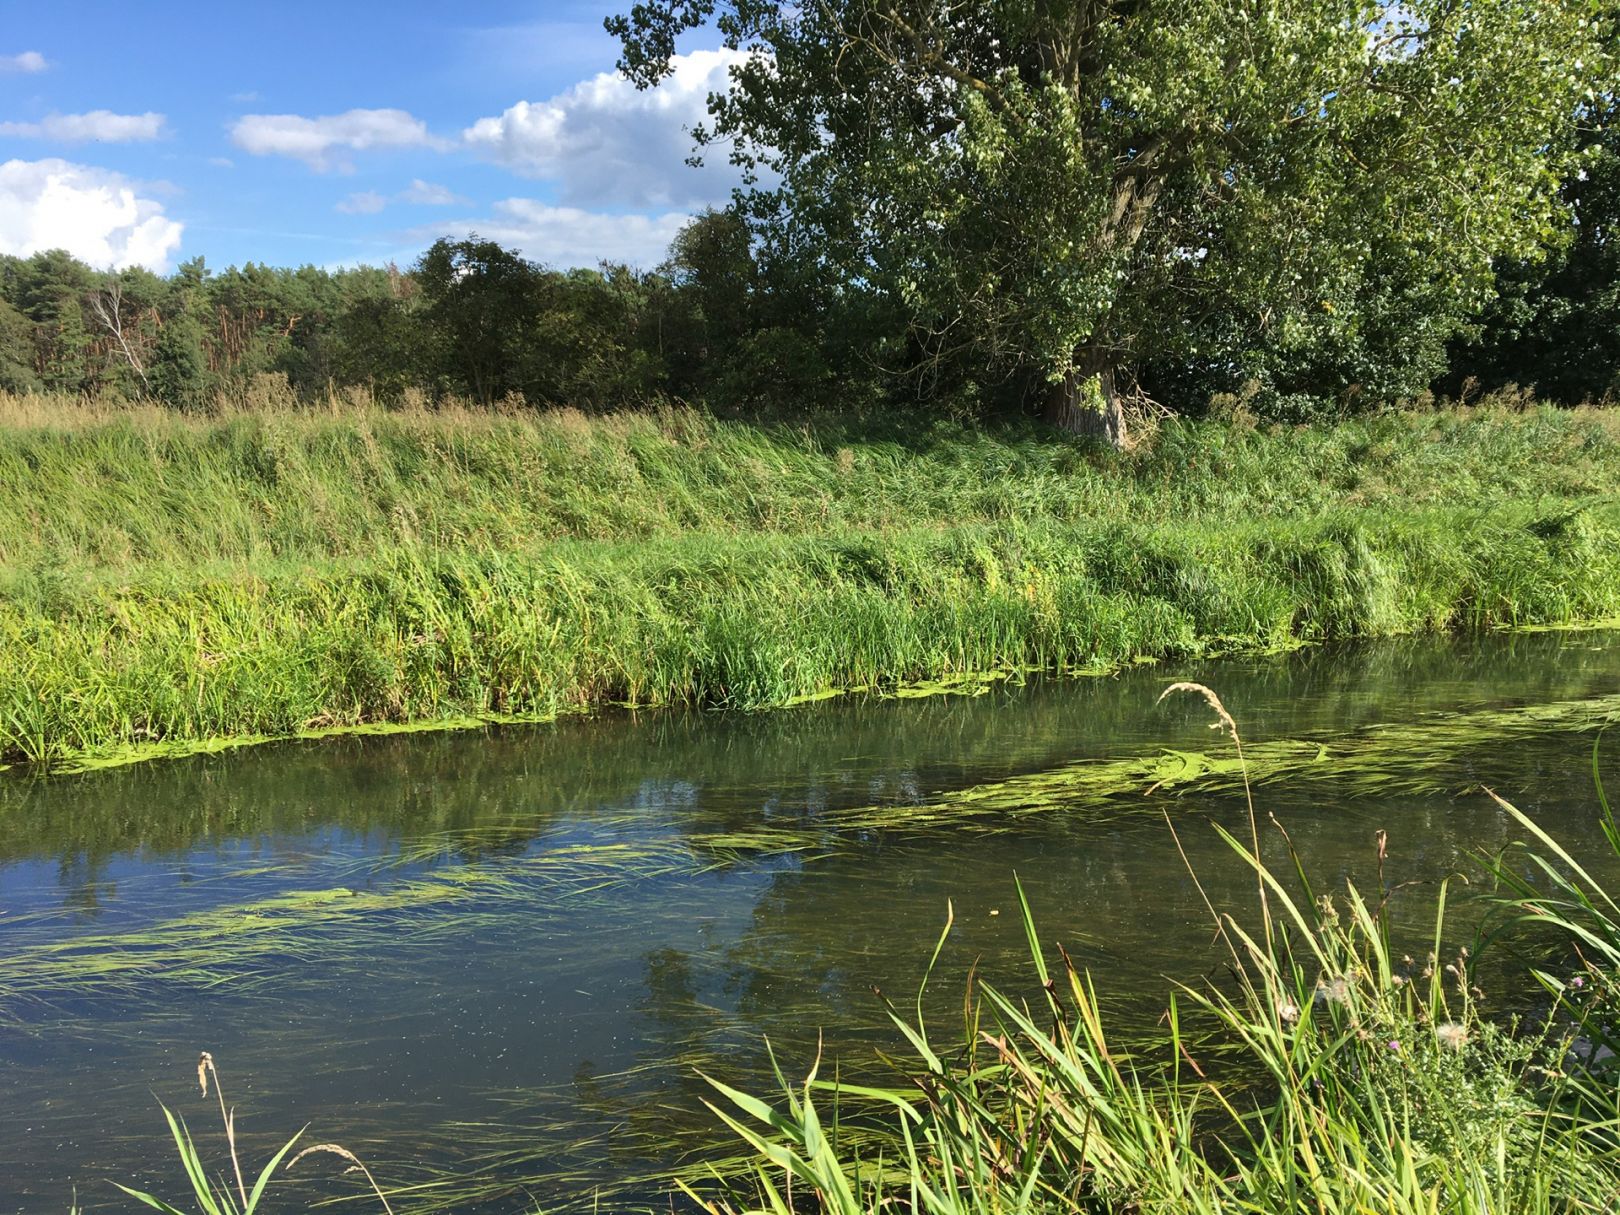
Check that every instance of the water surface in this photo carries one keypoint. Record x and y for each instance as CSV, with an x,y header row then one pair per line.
x,y
491,962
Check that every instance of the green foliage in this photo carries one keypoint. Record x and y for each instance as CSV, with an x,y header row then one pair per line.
x,y
1047,189
1554,325
165,579
478,299
1327,1072
219,1196
17,373
179,373
1326,1078
213,1198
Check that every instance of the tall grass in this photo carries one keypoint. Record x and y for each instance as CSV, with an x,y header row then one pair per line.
x,y
98,491
166,580
1327,1073
220,1196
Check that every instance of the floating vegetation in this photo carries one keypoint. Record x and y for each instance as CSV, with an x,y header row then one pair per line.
x,y
247,947
1401,757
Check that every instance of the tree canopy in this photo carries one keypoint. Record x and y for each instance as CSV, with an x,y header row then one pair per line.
x,y
1060,189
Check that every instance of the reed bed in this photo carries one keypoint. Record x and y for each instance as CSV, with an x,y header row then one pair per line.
x,y
173,661
174,582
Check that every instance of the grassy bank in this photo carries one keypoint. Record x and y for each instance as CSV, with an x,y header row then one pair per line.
x,y
166,580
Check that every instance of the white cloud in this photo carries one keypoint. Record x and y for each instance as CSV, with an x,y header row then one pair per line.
x,y
98,126
321,143
95,214
367,202
569,236
418,194
608,143
222,162
429,194
28,61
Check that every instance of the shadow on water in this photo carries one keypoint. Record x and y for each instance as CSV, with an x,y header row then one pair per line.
x,y
492,962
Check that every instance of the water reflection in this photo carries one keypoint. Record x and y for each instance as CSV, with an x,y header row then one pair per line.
x,y
538,1033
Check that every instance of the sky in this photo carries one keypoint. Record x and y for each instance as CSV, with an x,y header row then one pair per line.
x,y
341,133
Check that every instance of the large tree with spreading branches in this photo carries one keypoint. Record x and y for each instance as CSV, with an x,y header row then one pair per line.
x,y
1058,189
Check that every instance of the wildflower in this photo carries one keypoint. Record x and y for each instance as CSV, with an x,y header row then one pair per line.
x,y
1578,981
1451,1035
1287,1011
1393,1044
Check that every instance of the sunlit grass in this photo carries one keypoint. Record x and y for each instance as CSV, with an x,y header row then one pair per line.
x,y
170,582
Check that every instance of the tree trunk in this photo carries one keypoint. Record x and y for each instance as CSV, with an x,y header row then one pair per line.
x,y
1089,404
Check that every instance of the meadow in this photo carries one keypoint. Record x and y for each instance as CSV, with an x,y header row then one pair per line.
x,y
172,580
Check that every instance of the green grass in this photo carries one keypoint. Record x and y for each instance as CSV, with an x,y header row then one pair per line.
x,y
166,581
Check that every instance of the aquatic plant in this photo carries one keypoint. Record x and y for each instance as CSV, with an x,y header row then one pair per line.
x,y
1328,1073
218,1196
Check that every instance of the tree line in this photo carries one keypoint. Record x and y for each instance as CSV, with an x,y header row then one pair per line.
x,y
478,322
469,319
1296,206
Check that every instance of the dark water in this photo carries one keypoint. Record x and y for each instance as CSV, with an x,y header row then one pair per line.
x,y
539,934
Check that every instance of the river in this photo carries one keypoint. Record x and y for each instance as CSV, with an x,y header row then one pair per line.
x,y
493,962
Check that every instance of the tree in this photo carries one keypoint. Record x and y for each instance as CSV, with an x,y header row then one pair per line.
x,y
1554,324
16,352
480,303
179,371
1060,187
114,315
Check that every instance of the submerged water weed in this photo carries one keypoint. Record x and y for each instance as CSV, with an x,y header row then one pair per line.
x,y
215,1195
246,945
240,944
1330,1073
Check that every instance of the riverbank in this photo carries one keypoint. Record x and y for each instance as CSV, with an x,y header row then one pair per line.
x,y
168,582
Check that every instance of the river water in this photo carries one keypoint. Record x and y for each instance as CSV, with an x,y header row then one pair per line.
x,y
492,963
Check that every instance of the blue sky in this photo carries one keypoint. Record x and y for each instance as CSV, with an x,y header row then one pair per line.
x,y
339,133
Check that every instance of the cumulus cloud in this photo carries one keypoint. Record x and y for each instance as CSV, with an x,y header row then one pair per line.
x,y
97,215
323,143
27,61
569,236
429,194
607,143
98,126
